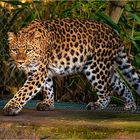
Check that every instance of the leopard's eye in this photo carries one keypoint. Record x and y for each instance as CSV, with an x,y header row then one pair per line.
x,y
28,50
14,50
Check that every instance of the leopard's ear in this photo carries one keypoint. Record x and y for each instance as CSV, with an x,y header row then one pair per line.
x,y
11,37
37,34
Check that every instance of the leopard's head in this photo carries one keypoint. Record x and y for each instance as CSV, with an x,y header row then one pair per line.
x,y
27,46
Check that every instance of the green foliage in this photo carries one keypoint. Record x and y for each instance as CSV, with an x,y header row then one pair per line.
x,y
76,9
130,29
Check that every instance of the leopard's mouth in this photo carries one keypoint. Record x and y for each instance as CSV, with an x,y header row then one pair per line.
x,y
21,67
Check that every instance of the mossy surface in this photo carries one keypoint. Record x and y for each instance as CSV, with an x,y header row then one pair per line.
x,y
64,124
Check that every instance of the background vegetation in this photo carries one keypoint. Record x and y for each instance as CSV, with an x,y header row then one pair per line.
x,y
16,14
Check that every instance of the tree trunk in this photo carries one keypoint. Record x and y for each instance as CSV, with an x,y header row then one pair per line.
x,y
115,9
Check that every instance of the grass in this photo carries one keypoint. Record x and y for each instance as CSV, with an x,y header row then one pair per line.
x,y
101,131
71,125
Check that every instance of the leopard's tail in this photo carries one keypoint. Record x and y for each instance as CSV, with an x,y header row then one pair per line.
x,y
128,70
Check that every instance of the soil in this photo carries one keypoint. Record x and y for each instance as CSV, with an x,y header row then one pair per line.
x,y
71,124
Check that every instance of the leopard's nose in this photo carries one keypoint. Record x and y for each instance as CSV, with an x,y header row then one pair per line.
x,y
20,63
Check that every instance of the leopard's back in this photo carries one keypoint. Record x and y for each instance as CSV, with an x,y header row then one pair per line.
x,y
75,42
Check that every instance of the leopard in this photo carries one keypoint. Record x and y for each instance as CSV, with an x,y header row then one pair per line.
x,y
65,46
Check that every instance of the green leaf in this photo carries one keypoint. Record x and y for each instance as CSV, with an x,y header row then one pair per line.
x,y
137,60
134,16
135,45
137,38
137,35
108,20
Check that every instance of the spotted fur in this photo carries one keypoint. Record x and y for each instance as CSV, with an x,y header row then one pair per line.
x,y
66,46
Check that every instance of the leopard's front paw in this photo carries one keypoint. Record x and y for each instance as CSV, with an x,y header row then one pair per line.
x,y
11,110
93,106
44,107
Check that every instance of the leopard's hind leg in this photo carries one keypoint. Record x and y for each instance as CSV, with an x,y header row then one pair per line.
x,y
122,90
98,75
